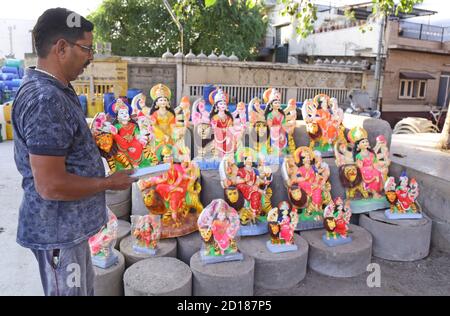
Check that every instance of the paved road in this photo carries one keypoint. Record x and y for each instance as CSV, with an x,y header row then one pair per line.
x,y
19,274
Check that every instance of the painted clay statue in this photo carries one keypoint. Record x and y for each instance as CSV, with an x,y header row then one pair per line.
x,y
146,231
291,118
138,104
222,122
336,220
246,188
182,116
218,225
127,135
162,117
323,119
276,122
258,127
183,112
403,198
102,244
282,222
362,173
203,136
240,122
306,178
174,194
382,152
123,142
101,130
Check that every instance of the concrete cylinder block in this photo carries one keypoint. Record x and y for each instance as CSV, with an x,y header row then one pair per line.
x,y
211,187
121,210
116,197
137,202
187,246
109,282
347,260
161,276
119,202
233,278
276,270
166,248
123,230
398,240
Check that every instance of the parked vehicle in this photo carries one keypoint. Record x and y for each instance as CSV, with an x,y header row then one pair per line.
x,y
359,103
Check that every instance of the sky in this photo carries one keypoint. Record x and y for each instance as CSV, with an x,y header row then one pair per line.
x,y
31,9
22,15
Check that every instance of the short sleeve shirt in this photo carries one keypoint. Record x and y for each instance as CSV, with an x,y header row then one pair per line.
x,y
48,120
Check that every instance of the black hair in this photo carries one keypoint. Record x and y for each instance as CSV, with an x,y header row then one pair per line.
x,y
55,24
154,108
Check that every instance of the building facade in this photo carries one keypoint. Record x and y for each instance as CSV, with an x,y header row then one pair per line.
x,y
417,71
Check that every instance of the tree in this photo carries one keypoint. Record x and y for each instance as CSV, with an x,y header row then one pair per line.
x,y
304,12
145,28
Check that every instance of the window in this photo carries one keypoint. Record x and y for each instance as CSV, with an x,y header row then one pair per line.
x,y
278,36
413,89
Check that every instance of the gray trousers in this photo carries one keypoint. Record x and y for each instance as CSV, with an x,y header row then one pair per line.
x,y
66,272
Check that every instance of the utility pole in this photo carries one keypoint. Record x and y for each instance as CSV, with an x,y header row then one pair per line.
x,y
10,29
379,61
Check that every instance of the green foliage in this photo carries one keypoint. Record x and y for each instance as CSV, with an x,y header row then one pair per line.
x,y
304,12
145,28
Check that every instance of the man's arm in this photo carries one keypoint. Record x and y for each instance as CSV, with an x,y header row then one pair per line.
x,y
53,182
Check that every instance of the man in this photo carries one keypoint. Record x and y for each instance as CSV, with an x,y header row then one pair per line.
x,y
63,174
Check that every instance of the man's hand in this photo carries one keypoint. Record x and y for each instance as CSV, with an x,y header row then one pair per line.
x,y
54,183
121,180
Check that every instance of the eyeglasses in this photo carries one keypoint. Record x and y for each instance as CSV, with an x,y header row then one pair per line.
x,y
90,49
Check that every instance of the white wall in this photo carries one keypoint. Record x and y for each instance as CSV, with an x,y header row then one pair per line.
x,y
343,42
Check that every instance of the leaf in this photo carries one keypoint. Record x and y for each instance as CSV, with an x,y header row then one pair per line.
x,y
210,3
251,3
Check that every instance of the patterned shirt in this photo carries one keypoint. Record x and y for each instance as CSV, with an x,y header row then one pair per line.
x,y
48,120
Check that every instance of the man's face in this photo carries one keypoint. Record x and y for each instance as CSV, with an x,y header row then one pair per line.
x,y
78,56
